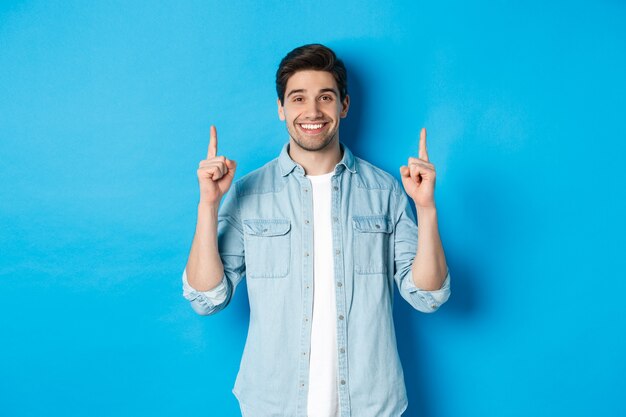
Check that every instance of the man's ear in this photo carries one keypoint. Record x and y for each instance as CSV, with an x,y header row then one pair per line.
x,y
281,111
345,105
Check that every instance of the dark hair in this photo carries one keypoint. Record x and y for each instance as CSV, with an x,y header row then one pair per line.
x,y
311,57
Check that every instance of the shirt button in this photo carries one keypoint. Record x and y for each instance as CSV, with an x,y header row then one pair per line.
x,y
306,222
306,190
335,219
340,317
377,226
337,252
306,253
342,350
343,382
335,188
433,306
339,284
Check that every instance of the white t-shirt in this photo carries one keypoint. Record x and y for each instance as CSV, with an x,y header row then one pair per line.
x,y
322,397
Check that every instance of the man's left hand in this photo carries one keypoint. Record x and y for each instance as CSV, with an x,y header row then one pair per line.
x,y
418,178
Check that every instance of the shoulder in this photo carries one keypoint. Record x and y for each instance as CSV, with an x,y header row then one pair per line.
x,y
372,177
265,179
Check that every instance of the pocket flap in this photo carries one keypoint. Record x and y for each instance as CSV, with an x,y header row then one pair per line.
x,y
372,224
266,227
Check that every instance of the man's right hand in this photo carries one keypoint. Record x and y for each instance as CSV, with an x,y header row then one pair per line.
x,y
215,174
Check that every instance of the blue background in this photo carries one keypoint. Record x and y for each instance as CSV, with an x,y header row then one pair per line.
x,y
105,110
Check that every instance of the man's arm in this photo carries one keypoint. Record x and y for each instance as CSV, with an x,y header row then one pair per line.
x,y
205,271
408,271
204,267
429,271
429,268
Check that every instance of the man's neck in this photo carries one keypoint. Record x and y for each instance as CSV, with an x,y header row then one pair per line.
x,y
316,162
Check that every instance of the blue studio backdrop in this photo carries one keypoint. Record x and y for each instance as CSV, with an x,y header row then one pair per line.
x,y
105,110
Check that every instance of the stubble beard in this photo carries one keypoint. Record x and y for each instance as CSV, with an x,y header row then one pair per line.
x,y
311,145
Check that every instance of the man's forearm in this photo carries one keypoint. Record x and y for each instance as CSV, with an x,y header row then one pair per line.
x,y
429,266
204,266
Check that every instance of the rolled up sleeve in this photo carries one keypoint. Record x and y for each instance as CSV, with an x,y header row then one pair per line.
x,y
425,300
205,302
405,247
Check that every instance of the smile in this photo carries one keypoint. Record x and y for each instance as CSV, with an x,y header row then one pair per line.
x,y
312,128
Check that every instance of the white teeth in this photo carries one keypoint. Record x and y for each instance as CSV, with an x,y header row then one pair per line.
x,y
312,127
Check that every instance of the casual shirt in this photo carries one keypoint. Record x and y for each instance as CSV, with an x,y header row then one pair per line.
x,y
265,233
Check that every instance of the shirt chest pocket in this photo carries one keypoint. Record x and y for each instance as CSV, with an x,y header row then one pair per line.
x,y
371,243
267,246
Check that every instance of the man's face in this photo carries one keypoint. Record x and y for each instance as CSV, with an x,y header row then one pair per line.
x,y
312,109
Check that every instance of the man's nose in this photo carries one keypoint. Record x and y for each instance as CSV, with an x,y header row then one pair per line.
x,y
313,110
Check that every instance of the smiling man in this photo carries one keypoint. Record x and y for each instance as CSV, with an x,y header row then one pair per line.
x,y
321,236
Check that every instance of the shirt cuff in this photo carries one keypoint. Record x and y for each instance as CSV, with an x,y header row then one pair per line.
x,y
216,296
433,299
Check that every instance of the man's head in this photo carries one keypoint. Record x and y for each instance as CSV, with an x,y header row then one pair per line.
x,y
311,57
311,83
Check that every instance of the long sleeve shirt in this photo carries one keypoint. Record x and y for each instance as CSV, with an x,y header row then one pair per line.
x,y
265,234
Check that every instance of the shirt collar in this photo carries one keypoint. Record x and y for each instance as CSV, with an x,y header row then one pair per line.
x,y
287,165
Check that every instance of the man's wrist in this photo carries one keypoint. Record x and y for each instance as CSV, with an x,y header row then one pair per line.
x,y
209,208
426,213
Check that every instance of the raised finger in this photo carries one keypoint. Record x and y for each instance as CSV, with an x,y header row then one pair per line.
x,y
423,153
212,144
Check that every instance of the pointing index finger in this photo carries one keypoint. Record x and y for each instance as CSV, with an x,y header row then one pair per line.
x,y
212,143
423,153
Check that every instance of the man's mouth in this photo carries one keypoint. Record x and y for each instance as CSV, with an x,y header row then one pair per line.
x,y
312,128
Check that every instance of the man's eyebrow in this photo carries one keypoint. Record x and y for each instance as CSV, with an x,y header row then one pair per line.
x,y
322,90
296,91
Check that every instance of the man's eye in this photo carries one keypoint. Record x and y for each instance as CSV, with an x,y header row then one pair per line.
x,y
297,99
326,98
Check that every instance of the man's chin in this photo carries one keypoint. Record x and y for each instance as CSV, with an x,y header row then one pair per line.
x,y
312,144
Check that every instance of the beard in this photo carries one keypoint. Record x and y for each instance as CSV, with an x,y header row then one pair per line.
x,y
311,144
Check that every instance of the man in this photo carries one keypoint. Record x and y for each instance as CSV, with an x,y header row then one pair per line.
x,y
321,237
